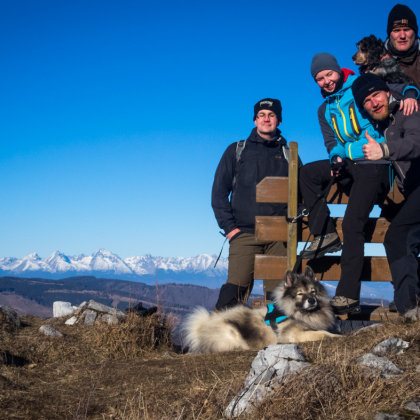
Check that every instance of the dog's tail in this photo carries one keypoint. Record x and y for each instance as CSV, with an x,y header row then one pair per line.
x,y
193,329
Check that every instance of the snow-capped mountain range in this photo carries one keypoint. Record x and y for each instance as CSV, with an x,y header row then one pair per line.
x,y
106,264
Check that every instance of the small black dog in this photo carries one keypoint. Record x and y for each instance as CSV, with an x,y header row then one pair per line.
x,y
372,57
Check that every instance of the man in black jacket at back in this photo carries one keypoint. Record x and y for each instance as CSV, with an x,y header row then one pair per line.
x,y
402,149
243,165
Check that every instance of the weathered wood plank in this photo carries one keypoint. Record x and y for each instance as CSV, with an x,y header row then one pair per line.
x,y
292,228
274,228
269,267
275,190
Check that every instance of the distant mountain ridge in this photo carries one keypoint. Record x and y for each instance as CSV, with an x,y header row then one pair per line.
x,y
103,263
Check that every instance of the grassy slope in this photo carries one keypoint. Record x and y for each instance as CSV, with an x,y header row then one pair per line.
x,y
118,372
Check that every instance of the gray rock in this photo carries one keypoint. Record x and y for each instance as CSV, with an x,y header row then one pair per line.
x,y
390,346
99,307
269,368
418,368
413,314
384,416
62,309
413,407
82,306
50,331
166,355
89,317
109,319
10,315
381,365
368,328
71,321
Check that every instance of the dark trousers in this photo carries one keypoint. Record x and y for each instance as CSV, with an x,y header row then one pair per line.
x,y
240,281
402,245
368,185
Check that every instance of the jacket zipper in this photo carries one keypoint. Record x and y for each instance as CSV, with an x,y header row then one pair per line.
x,y
344,121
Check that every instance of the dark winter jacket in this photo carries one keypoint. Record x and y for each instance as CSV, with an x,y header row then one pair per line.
x,y
410,65
260,158
402,147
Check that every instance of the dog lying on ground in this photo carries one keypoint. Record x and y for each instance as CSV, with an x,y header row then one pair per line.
x,y
373,57
302,298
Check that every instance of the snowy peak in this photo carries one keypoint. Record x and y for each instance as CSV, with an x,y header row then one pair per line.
x,y
106,263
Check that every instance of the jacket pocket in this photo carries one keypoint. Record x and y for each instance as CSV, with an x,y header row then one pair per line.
x,y
354,121
335,125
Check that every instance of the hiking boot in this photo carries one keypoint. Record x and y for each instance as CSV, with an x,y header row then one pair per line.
x,y
342,305
321,245
392,307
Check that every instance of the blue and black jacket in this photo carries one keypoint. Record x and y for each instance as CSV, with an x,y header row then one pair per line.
x,y
343,125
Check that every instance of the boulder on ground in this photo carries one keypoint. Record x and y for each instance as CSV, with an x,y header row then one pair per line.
x,y
390,346
414,407
413,314
269,368
89,317
385,416
63,309
9,316
381,365
71,321
50,331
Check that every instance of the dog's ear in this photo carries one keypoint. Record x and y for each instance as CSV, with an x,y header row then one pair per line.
x,y
310,273
289,278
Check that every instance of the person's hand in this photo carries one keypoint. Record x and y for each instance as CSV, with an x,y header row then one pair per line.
x,y
231,234
336,173
372,150
409,106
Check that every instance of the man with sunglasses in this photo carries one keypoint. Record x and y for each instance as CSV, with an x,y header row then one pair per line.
x,y
243,165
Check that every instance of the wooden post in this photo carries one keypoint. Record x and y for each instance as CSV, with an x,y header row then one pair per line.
x,y
292,206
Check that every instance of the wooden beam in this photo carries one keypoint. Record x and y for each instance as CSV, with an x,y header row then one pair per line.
x,y
275,228
292,207
275,190
268,267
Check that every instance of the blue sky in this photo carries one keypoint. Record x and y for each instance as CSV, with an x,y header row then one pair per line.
x,y
114,114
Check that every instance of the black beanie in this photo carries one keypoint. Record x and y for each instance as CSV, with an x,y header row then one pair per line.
x,y
402,16
366,84
270,104
324,61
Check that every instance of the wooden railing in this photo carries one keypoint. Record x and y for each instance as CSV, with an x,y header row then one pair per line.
x,y
275,228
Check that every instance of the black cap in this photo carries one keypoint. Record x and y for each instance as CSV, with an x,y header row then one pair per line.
x,y
366,84
402,16
268,103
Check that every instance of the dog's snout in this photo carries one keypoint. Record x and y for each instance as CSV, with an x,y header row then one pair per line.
x,y
311,301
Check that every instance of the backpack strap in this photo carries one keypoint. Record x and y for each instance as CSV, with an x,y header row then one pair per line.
x,y
239,149
286,152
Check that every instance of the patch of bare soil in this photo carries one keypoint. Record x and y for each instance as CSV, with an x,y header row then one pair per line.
x,y
132,372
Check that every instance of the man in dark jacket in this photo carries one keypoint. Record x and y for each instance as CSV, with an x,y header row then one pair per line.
x,y
243,165
403,41
402,149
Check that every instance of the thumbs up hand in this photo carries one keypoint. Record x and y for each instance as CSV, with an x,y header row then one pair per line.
x,y
372,150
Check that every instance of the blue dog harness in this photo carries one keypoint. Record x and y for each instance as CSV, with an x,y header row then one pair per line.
x,y
274,316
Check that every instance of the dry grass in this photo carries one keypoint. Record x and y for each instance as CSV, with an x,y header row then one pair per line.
x,y
121,372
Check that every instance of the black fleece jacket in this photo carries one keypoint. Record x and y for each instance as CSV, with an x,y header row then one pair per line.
x,y
260,158
402,147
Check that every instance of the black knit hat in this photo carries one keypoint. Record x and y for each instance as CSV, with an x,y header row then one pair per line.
x,y
402,16
270,104
366,84
324,61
